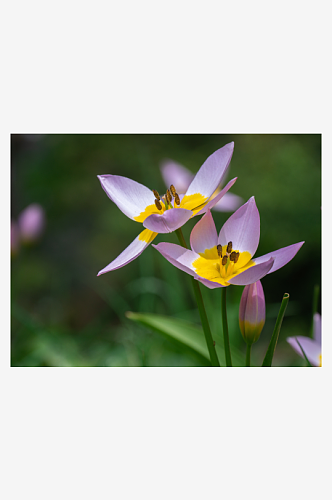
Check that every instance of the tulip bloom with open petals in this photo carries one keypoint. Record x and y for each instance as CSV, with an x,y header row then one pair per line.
x,y
161,214
174,173
311,347
227,259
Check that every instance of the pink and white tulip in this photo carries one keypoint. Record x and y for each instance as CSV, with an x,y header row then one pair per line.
x,y
159,215
312,348
174,173
227,259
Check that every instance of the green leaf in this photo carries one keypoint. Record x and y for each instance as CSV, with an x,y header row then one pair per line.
x,y
274,339
186,333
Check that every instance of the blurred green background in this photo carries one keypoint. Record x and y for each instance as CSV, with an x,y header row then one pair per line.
x,y
62,314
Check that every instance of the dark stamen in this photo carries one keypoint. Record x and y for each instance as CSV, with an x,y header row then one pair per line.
x,y
224,260
229,247
158,204
177,199
232,256
156,194
168,196
219,250
172,188
237,255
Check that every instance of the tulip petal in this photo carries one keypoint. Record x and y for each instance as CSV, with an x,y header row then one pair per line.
x,y
242,228
252,274
204,234
180,257
176,174
131,252
281,257
317,327
311,348
169,221
229,203
211,173
208,283
217,198
131,197
252,312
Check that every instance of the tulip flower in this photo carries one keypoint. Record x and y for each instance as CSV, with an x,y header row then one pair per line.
x,y
31,223
173,172
227,259
311,347
164,214
252,312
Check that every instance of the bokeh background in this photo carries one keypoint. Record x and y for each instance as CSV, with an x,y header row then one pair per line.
x,y
62,314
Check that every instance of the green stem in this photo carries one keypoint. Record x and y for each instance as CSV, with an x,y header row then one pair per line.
x,y
225,327
275,335
204,320
248,354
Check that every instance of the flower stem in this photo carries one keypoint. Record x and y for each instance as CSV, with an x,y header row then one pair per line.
x,y
248,354
225,327
275,335
204,320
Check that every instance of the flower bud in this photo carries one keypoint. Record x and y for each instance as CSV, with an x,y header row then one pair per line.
x,y
31,223
252,312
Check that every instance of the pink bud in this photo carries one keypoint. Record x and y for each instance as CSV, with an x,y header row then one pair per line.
x,y
31,223
252,312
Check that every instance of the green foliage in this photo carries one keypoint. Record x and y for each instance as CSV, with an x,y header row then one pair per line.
x,y
187,334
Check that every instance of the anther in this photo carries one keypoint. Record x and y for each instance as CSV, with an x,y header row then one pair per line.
x,y
224,260
237,255
156,194
168,196
177,199
158,204
172,188
219,250
229,247
232,256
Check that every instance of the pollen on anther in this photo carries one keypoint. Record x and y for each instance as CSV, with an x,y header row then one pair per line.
x,y
177,199
173,191
168,196
229,247
156,194
236,258
224,260
158,204
219,250
232,256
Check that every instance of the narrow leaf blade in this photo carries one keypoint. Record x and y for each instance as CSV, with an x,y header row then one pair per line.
x,y
274,339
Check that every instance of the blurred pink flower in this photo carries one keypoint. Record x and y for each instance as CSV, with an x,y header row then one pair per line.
x,y
312,348
31,223
252,312
174,173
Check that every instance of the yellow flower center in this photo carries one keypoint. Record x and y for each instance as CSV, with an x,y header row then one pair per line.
x,y
221,263
194,202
